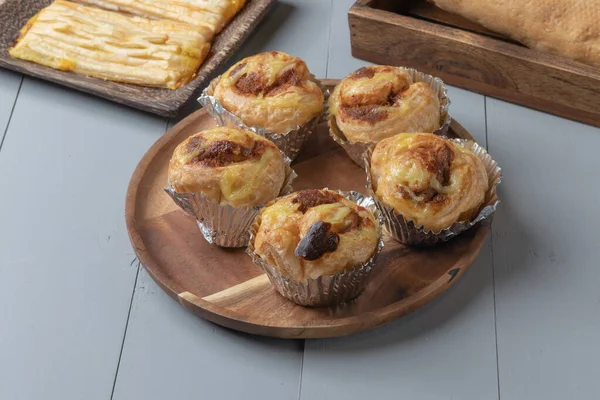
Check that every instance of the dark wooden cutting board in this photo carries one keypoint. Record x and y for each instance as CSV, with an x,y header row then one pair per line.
x,y
168,103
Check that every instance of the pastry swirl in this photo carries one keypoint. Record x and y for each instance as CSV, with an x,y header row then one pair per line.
x,y
229,165
313,233
272,90
377,102
428,180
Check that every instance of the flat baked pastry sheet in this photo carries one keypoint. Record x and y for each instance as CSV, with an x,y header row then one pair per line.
x,y
14,14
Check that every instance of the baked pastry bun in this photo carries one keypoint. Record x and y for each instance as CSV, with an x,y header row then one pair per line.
x,y
377,102
273,90
429,180
315,233
229,165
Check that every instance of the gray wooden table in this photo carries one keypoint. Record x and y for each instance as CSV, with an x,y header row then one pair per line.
x,y
80,320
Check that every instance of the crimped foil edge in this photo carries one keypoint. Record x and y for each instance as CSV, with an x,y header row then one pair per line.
x,y
356,150
290,143
439,87
406,232
223,224
328,290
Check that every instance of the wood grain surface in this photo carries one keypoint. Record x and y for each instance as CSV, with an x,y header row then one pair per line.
x,y
63,241
468,58
169,103
546,255
224,286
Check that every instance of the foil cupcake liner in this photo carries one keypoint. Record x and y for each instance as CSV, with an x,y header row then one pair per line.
x,y
223,224
327,290
356,150
290,143
405,231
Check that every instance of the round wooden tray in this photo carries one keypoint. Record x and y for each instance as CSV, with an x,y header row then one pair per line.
x,y
225,287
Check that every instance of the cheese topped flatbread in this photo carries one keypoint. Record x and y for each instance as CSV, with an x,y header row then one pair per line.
x,y
110,46
213,14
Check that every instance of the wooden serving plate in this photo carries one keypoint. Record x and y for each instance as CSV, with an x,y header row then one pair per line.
x,y
168,103
414,33
225,287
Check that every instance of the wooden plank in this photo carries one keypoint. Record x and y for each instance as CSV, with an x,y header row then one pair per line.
x,y
479,63
14,14
546,254
171,353
9,88
431,353
213,362
66,279
340,59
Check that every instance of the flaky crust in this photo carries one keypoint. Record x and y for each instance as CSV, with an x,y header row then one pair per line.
x,y
229,165
377,102
213,14
314,233
429,180
110,46
272,90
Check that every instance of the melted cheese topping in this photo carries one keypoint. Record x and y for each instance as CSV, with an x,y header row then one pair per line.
x,y
212,14
284,224
237,190
377,102
272,90
106,45
429,180
229,165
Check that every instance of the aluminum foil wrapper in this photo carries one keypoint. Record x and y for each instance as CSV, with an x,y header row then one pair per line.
x,y
356,150
290,143
328,290
223,224
406,232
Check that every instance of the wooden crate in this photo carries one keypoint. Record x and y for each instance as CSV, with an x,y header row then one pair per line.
x,y
464,54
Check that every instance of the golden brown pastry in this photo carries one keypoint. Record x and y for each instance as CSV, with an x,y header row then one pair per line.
x,y
313,233
213,14
229,165
568,28
110,46
272,90
376,102
428,180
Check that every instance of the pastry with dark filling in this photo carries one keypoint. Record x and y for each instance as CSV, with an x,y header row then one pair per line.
x,y
315,233
376,102
274,91
230,166
222,176
429,180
